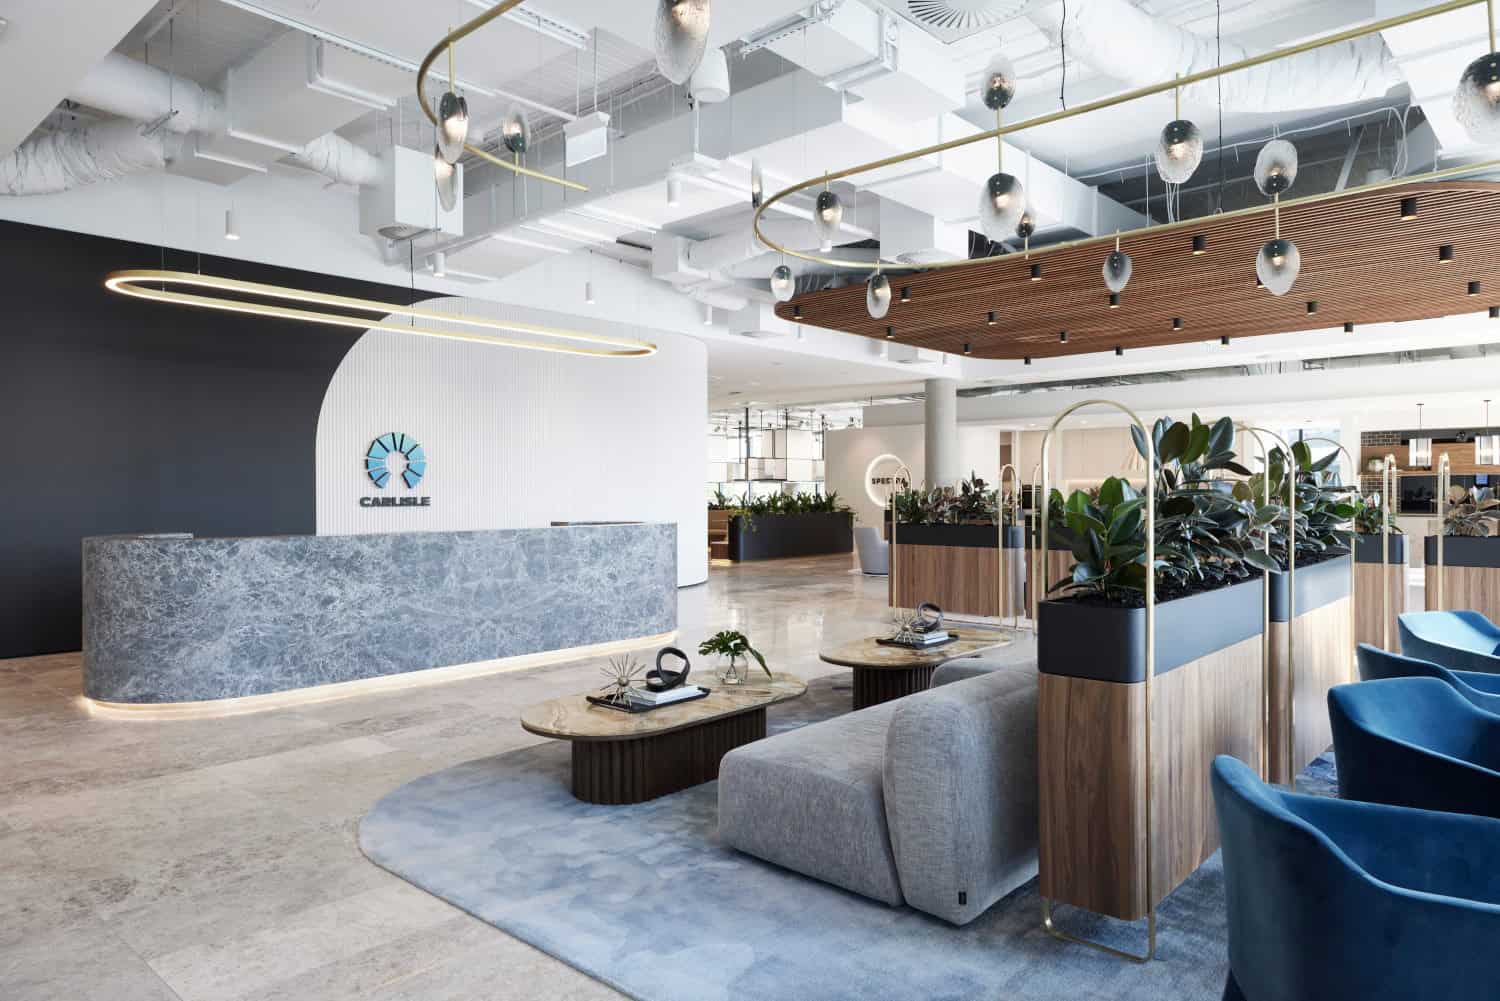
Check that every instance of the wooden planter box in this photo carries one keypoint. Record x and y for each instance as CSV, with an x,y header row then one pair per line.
x,y
1320,647
1471,574
1091,709
1368,627
955,567
774,536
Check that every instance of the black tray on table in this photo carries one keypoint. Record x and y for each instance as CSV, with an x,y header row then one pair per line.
x,y
892,641
636,707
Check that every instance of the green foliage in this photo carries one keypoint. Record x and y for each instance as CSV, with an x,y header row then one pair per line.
x,y
750,508
1369,514
722,501
1473,518
971,503
732,644
1324,508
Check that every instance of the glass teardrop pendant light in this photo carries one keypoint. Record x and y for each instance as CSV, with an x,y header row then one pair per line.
x,y
998,84
878,295
1476,102
1277,265
828,214
515,130
681,37
783,283
1275,167
1180,148
453,119
446,176
1026,227
1117,269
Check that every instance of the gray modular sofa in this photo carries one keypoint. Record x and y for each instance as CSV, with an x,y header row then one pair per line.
x,y
929,800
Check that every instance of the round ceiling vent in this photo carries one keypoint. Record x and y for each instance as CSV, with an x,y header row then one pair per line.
x,y
960,16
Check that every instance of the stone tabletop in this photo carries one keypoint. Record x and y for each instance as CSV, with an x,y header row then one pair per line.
x,y
868,654
572,717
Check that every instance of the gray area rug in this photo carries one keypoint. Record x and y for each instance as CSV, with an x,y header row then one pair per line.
x,y
645,898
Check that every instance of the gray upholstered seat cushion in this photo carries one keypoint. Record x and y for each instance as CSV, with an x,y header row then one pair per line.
x,y
811,800
960,781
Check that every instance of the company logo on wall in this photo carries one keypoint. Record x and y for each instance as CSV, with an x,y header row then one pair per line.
x,y
885,472
395,456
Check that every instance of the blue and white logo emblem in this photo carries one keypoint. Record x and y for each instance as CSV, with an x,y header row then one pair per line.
x,y
395,454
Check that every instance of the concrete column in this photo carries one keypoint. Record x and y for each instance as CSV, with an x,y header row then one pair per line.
x,y
940,427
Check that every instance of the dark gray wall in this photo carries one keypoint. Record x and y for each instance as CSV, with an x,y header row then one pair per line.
x,y
127,416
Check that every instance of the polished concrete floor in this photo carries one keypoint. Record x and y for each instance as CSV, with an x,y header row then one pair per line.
x,y
208,860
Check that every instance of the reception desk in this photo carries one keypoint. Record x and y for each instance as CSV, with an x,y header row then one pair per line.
x,y
177,619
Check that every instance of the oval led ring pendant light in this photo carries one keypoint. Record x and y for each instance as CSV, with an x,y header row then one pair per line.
x,y
681,37
333,310
1476,102
453,119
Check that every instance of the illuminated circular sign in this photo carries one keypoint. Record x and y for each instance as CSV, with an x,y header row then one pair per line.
x,y
890,483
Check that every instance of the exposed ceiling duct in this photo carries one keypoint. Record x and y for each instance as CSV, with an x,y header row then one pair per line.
x,y
1119,40
153,104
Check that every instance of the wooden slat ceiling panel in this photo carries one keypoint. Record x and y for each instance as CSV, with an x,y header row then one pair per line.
x,y
1361,263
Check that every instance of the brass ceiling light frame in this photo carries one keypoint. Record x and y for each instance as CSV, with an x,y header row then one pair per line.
x,y
444,44
1000,131
153,285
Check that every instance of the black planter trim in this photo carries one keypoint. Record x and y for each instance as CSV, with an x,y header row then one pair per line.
x,y
778,535
1464,551
1318,584
1104,643
962,536
1367,549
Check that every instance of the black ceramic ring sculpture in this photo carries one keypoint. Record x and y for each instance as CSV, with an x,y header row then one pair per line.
x,y
660,679
929,618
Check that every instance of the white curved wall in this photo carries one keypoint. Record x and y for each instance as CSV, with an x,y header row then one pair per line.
x,y
521,438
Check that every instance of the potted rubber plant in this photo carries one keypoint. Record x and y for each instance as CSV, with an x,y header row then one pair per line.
x,y
781,525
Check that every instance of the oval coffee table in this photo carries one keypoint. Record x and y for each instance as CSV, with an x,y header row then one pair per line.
x,y
621,757
882,673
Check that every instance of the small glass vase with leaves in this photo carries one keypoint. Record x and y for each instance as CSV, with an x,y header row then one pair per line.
x,y
734,650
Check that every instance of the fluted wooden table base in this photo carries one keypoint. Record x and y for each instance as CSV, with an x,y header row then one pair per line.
x,y
873,686
632,771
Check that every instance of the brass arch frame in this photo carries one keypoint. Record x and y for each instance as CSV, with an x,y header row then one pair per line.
x,y
1445,483
1387,498
1150,644
1036,574
1003,566
890,499
447,41
1265,614
1353,581
1000,131
1291,601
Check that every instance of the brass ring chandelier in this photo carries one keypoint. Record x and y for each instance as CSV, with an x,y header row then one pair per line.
x,y
156,286
1479,92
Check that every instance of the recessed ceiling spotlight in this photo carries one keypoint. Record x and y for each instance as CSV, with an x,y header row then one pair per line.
x,y
1409,207
1027,359
1473,288
1200,244
1176,323
990,319
1036,272
1348,327
1114,300
1312,306
906,293
968,349
1062,337
1224,340
1119,351
890,332
1445,252
797,311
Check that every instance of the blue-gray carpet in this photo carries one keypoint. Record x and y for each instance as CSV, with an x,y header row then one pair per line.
x,y
645,899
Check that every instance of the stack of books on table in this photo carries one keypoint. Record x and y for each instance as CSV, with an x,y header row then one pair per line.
x,y
920,640
641,696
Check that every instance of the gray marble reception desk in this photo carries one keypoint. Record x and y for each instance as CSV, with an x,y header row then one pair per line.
x,y
180,619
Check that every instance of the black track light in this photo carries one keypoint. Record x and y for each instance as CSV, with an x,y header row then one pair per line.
x,y
1176,323
906,293
1027,359
1036,272
1473,288
990,319
1348,327
1495,312
1114,300
1062,337
1119,351
1200,244
890,332
968,349
797,312
1312,307
1445,252
1409,207
1224,340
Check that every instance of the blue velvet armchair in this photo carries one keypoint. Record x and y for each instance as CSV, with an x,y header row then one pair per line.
x,y
1415,742
1336,901
1482,690
1458,640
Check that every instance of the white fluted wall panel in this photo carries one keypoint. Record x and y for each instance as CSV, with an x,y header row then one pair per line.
x,y
517,439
